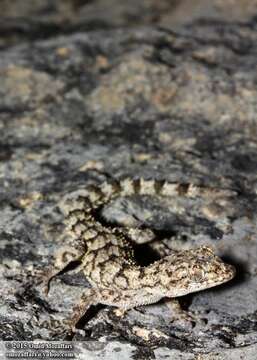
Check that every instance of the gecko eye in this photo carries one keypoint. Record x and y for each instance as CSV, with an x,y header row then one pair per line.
x,y
198,274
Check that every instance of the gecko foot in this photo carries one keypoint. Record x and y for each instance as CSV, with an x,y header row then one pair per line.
x,y
119,312
179,316
42,280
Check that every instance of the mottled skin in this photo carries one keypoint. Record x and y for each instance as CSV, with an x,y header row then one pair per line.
x,y
107,257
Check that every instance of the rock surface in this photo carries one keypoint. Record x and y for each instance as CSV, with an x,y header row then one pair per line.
x,y
83,107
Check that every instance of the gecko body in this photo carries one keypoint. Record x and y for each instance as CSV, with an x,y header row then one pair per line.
x,y
107,258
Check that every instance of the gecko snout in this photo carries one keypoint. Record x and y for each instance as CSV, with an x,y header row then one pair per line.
x,y
229,271
218,272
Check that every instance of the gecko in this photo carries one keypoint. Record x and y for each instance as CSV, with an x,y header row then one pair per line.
x,y
107,259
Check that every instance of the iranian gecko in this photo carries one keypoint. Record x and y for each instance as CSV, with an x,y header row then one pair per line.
x,y
106,255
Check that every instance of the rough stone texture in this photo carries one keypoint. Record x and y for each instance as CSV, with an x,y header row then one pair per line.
x,y
79,108
34,19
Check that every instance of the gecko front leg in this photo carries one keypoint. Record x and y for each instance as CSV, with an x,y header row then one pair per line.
x,y
89,297
177,313
122,301
63,258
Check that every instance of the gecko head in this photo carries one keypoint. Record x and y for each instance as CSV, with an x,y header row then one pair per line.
x,y
195,270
